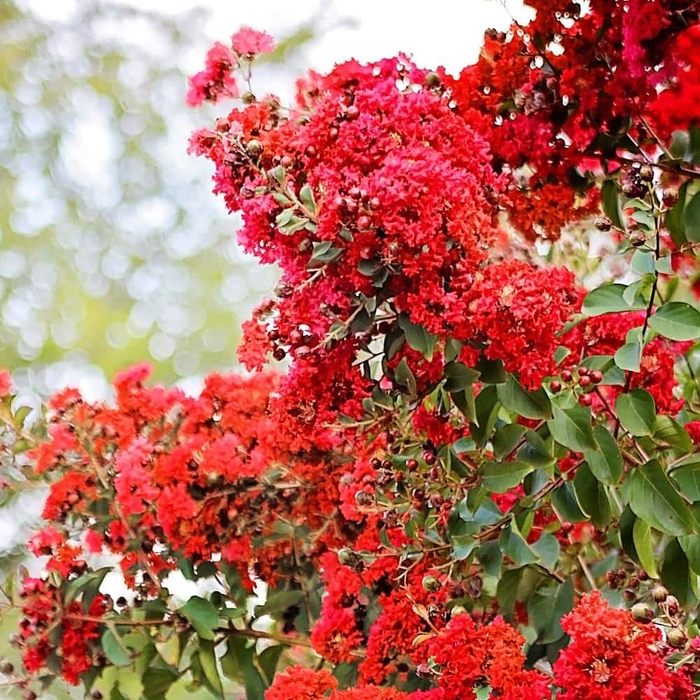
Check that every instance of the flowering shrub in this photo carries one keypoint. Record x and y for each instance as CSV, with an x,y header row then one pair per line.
x,y
474,478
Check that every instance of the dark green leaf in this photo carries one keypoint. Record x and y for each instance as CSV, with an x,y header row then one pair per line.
x,y
279,601
571,427
404,377
566,500
610,199
653,497
676,320
676,574
592,496
691,218
459,377
637,412
487,406
507,590
529,404
506,439
547,606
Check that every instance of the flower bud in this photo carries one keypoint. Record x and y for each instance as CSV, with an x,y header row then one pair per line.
x,y
347,557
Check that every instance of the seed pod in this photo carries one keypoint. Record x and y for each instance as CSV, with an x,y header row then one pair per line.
x,y
641,612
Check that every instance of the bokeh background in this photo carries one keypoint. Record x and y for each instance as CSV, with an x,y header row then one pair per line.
x,y
112,248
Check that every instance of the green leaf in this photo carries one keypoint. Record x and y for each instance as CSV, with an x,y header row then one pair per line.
x,y
653,498
571,427
548,549
592,496
566,500
547,606
676,574
306,195
606,462
670,432
404,377
691,546
637,412
417,337
676,320
499,477
459,377
629,356
487,407
507,590
506,439
691,219
529,404
157,682
202,615
268,661
627,521
513,545
644,546
643,261
278,602
688,479
323,252
114,648
609,299
207,660
237,664
610,199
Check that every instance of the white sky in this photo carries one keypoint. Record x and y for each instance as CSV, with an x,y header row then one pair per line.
x,y
435,32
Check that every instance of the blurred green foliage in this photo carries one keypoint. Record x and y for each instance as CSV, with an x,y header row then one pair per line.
x,y
112,248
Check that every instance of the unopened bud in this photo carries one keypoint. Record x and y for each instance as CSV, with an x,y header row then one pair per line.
x,y
254,147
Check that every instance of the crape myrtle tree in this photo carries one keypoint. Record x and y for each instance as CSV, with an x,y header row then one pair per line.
x,y
477,475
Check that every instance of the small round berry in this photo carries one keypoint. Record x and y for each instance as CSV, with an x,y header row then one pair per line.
x,y
311,151
333,132
248,98
418,494
642,575
672,604
596,376
375,202
432,79
362,498
279,354
375,463
412,464
566,375
555,386
585,381
287,162
585,400
583,371
629,595
354,192
6,667
352,112
429,457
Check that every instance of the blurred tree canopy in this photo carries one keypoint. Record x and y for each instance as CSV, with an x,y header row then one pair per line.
x,y
112,249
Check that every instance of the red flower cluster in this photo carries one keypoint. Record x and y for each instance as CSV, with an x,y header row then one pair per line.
x,y
611,657
51,628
